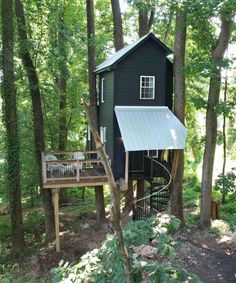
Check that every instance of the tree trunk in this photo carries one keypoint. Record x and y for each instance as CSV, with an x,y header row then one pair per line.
x,y
100,205
115,200
224,142
91,58
140,193
92,95
117,24
145,21
179,110
10,119
168,26
62,85
129,197
37,113
211,118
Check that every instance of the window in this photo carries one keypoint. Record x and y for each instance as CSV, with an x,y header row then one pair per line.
x,y
103,134
152,153
147,87
102,89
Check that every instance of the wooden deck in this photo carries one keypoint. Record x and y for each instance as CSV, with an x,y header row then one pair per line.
x,y
72,169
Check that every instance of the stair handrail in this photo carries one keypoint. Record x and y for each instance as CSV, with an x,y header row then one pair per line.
x,y
159,191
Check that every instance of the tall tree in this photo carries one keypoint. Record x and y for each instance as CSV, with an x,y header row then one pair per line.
x,y
62,85
119,43
211,116
224,139
179,109
117,25
37,113
10,120
93,97
115,201
145,19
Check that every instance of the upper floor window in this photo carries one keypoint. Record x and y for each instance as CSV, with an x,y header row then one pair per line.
x,y
102,89
147,87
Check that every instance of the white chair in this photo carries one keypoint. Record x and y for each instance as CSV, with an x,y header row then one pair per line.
x,y
79,156
54,167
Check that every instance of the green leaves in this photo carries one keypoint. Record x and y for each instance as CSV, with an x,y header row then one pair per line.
x,y
227,183
104,265
167,245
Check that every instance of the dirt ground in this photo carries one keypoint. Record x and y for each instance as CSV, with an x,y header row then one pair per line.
x,y
202,255
199,253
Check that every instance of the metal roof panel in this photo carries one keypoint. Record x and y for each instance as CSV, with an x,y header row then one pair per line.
x,y
150,128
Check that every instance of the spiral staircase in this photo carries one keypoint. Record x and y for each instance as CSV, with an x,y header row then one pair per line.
x,y
157,191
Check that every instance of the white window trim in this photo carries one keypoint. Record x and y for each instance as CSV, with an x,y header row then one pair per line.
x,y
103,134
140,88
155,155
97,90
102,90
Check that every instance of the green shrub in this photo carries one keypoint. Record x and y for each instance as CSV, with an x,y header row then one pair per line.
x,y
229,207
226,184
105,265
4,254
33,222
5,228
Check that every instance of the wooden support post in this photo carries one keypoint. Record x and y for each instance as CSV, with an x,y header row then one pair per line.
x,y
140,192
126,170
100,205
129,197
56,216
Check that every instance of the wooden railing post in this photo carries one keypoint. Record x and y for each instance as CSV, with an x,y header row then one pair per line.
x,y
78,171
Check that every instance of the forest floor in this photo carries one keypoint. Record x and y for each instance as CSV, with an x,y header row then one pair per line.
x,y
200,252
211,260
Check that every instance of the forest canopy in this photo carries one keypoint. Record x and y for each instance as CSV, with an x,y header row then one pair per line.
x,y
49,50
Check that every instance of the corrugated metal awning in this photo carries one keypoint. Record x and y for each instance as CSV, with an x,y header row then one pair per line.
x,y
150,128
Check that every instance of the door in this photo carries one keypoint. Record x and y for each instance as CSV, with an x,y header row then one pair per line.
x,y
136,161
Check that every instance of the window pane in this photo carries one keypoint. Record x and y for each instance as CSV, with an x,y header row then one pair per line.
x,y
147,87
151,82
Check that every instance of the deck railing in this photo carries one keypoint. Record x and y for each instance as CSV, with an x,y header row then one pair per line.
x,y
71,166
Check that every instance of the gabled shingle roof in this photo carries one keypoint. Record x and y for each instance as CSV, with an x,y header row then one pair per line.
x,y
122,53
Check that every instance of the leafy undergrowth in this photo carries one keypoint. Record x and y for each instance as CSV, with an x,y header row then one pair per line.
x,y
105,264
192,195
70,217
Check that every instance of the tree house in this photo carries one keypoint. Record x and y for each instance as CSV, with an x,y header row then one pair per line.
x,y
134,98
137,128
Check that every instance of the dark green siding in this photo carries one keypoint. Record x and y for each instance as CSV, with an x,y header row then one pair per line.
x,y
122,87
146,60
106,109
